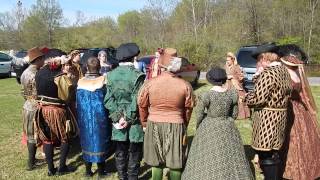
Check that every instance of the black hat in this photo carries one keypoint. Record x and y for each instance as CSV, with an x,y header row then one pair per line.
x,y
292,50
127,51
270,47
52,53
216,76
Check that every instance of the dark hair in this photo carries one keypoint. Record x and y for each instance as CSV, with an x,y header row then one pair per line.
x,y
217,76
93,65
293,49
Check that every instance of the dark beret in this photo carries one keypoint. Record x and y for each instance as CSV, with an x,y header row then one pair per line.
x,y
216,76
127,51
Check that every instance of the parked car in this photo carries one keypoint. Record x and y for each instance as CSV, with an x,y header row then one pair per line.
x,y
248,65
86,53
189,72
5,65
19,64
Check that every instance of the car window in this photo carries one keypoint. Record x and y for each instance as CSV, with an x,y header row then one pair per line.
x,y
5,57
245,60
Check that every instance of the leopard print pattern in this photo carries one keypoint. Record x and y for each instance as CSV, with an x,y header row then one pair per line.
x,y
271,90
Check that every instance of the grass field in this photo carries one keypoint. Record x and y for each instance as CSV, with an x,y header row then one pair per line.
x,y
13,154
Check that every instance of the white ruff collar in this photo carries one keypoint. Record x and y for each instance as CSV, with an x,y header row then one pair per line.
x,y
126,64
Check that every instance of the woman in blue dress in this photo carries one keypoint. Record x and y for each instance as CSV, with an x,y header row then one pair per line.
x,y
93,118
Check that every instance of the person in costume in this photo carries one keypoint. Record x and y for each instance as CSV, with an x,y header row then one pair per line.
x,y
270,102
76,67
66,82
93,118
165,106
123,84
217,151
55,122
29,93
106,66
235,80
154,70
301,156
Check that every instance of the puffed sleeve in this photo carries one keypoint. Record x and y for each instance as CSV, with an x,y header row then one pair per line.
x,y
264,84
202,106
143,103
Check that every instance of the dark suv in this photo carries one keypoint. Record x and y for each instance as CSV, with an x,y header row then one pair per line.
x,y
248,65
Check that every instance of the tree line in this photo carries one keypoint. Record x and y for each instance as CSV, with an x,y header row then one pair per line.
x,y
201,30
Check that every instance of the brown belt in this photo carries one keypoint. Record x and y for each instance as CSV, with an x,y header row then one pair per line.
x,y
45,100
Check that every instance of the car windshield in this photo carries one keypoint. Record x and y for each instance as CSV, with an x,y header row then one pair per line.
x,y
21,54
4,57
245,60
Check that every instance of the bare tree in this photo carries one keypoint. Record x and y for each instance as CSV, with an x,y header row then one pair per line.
x,y
312,4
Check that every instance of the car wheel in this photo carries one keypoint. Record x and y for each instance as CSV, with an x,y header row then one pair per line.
x,y
194,83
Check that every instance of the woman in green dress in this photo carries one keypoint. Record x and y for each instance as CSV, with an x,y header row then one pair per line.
x,y
217,151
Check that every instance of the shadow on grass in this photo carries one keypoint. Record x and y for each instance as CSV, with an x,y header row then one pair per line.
x,y
250,155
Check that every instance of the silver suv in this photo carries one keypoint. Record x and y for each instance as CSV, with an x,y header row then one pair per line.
x,y
248,65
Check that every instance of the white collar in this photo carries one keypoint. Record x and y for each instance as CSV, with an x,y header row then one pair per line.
x,y
126,64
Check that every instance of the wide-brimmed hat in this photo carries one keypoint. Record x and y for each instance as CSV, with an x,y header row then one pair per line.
x,y
271,47
166,56
216,76
34,53
127,51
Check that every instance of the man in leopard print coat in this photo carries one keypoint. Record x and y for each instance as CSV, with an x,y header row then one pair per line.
x,y
269,100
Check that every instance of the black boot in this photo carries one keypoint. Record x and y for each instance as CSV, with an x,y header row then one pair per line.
x,y
270,168
121,158
48,150
32,149
88,172
63,168
102,173
134,165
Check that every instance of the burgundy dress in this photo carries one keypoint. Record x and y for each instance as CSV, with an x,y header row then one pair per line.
x,y
302,160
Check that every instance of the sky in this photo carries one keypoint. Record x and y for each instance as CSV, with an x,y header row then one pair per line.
x,y
90,8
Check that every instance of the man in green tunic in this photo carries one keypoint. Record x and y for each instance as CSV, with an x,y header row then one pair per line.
x,y
123,84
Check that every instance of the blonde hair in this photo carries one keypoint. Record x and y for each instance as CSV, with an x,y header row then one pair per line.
x,y
73,54
268,56
230,54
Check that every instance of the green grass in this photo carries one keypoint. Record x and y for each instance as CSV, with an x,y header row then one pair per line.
x,y
13,154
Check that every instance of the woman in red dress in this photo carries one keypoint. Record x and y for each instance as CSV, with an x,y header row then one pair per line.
x,y
301,152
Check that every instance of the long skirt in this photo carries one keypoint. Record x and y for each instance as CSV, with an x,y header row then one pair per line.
x,y
55,124
164,144
302,146
217,152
